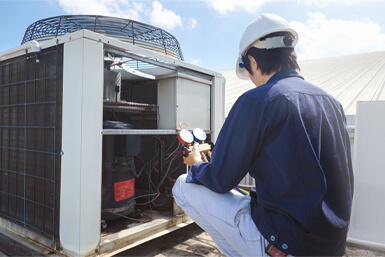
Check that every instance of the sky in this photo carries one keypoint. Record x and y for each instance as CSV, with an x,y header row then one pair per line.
x,y
209,30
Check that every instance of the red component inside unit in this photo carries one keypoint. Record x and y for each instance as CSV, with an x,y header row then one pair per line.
x,y
124,190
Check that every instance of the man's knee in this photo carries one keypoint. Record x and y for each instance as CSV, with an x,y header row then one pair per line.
x,y
177,190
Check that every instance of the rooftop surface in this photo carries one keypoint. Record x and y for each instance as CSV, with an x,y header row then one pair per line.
x,y
348,78
193,241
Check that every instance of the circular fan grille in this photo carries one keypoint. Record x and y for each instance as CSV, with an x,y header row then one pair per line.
x,y
136,33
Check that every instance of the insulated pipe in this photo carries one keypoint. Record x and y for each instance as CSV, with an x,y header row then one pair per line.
x,y
33,46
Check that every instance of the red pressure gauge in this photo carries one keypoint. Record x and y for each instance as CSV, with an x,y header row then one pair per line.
x,y
185,137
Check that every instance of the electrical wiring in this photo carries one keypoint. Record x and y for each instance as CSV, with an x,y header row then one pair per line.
x,y
171,156
176,168
172,143
169,147
140,196
148,167
151,189
167,201
137,175
168,168
173,152
157,195
113,112
151,165
152,202
170,179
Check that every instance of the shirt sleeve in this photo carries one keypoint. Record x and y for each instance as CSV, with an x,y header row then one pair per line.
x,y
237,146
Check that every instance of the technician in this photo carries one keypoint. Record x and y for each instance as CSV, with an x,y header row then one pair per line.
x,y
291,137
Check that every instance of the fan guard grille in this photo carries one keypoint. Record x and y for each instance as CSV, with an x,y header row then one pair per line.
x,y
136,33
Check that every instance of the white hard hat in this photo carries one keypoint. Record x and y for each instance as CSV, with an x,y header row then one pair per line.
x,y
259,28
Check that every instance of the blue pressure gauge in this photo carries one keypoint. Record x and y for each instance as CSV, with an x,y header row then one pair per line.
x,y
199,135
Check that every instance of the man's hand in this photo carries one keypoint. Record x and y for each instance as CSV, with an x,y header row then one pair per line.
x,y
194,156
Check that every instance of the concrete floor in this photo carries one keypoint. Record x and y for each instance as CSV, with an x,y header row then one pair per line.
x,y
193,241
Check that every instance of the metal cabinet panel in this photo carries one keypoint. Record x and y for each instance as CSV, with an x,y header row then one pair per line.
x,y
366,227
181,99
82,147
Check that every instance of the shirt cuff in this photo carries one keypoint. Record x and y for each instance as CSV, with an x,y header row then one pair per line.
x,y
191,173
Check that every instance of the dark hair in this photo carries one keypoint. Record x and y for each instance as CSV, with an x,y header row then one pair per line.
x,y
272,60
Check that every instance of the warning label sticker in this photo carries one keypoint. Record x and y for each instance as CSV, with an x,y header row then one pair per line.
x,y
124,189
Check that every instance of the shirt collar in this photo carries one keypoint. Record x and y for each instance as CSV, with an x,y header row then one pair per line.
x,y
284,74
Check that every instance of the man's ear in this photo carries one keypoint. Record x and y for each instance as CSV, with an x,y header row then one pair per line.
x,y
252,62
251,58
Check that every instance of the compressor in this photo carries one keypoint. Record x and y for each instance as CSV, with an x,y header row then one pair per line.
x,y
118,172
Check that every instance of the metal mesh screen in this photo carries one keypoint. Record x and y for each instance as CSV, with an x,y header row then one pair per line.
x,y
136,33
30,139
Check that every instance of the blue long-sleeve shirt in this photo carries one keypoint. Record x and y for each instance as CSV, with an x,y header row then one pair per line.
x,y
291,137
